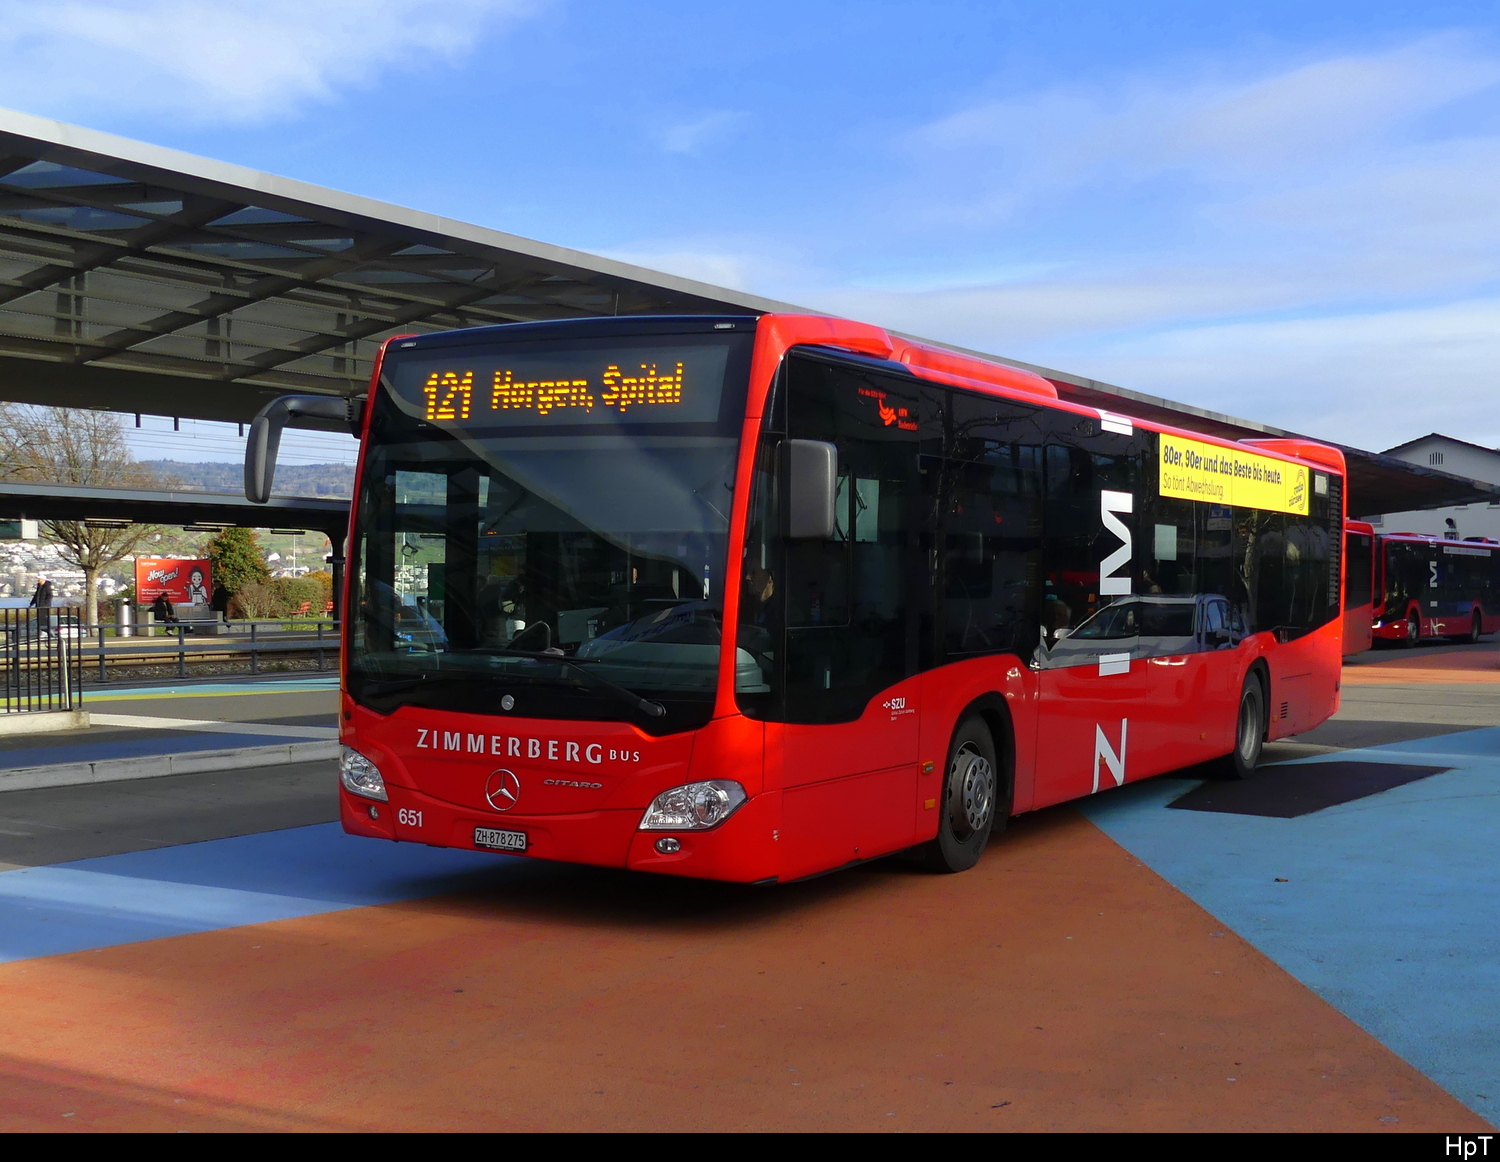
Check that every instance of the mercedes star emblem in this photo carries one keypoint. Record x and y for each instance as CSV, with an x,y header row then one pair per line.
x,y
502,789
507,703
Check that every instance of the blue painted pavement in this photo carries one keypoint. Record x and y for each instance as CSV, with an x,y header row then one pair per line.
x,y
1391,909
222,883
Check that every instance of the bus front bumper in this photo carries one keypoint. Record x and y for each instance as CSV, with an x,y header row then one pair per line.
x,y
742,849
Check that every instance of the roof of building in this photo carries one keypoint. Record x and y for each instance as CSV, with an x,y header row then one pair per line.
x,y
74,502
1399,448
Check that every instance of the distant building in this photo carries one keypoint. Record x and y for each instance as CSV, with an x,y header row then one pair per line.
x,y
1462,459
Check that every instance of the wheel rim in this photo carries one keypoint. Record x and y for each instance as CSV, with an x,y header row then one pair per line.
x,y
972,779
1249,727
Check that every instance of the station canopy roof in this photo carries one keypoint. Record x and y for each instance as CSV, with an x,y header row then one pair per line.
x,y
139,279
77,502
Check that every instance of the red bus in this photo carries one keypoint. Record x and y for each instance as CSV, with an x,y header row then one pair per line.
x,y
1433,587
753,599
1359,586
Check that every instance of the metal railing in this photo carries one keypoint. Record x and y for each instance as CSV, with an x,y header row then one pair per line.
x,y
43,662
182,643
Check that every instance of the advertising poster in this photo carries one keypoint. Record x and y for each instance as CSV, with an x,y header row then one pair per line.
x,y
183,581
1193,470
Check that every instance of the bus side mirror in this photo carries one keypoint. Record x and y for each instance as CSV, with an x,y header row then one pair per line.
x,y
266,428
811,476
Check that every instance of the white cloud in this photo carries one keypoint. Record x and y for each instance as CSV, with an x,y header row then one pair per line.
x,y
717,269
737,263
1369,378
692,136
1284,128
1316,246
1372,380
228,60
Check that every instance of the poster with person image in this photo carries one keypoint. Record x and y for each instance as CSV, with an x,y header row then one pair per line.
x,y
182,582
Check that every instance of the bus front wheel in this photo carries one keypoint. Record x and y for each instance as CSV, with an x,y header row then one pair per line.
x,y
971,803
1249,731
1413,629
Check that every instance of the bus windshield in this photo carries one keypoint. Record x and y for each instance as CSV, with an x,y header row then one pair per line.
x,y
540,526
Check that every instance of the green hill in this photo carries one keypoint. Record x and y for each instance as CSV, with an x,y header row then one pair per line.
x,y
229,476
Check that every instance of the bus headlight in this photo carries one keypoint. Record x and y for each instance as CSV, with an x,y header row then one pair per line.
x,y
694,807
360,776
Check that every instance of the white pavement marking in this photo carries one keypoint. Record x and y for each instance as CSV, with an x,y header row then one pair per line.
x,y
213,726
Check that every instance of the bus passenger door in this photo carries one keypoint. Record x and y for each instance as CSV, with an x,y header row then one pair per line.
x,y
848,788
849,745
850,687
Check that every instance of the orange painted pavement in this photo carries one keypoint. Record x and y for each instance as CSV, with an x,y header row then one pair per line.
x,y
1482,665
1061,985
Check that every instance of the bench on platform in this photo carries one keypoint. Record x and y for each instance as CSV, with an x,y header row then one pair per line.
x,y
200,620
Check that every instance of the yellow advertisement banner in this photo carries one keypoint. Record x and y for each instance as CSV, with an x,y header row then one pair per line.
x,y
1191,470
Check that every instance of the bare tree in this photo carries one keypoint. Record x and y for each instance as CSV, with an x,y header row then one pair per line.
x,y
73,446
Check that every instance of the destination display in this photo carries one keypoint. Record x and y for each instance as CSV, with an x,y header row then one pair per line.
x,y
660,383
1193,470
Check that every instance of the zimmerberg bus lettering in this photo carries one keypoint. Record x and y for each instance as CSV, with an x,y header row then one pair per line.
x,y
551,749
1109,504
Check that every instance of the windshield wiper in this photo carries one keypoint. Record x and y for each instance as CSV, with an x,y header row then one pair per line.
x,y
629,697
393,685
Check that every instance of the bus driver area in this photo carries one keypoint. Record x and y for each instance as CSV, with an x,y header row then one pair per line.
x,y
685,658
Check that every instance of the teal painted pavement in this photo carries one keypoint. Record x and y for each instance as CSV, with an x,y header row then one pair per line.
x,y
1391,906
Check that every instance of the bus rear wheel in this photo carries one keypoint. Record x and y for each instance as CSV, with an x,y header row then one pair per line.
x,y
1476,628
974,795
1249,732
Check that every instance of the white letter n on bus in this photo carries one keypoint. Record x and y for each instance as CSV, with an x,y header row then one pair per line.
x,y
1102,750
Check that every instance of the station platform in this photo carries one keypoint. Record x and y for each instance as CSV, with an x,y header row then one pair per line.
x,y
144,731
1313,949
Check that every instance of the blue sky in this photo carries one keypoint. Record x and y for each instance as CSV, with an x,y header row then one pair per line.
x,y
1288,213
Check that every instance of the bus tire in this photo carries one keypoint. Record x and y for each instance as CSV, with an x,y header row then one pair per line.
x,y
1476,627
1413,630
1249,731
972,788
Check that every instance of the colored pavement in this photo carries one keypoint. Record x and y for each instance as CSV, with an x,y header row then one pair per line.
x,y
141,722
1385,906
1314,951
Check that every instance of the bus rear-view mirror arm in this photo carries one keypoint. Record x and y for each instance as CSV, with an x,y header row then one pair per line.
x,y
266,428
810,473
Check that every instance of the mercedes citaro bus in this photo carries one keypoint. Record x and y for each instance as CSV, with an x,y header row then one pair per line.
x,y
1434,587
756,598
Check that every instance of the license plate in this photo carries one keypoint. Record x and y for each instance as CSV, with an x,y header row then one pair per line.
x,y
500,840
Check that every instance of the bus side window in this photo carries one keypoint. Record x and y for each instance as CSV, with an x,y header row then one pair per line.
x,y
982,493
1221,625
